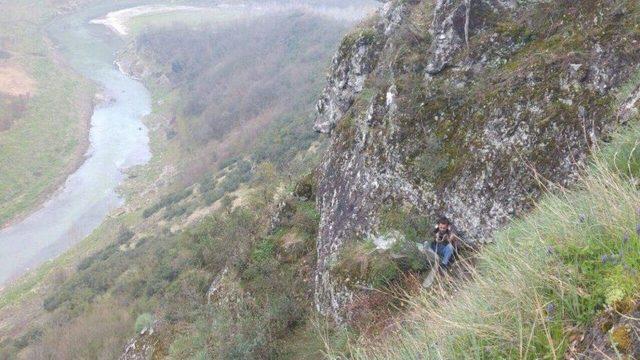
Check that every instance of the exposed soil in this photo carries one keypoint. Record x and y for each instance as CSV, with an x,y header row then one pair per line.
x,y
14,81
117,20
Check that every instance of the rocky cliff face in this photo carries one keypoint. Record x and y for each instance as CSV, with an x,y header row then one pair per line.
x,y
465,108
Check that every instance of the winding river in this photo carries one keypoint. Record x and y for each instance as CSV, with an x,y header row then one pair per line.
x,y
118,140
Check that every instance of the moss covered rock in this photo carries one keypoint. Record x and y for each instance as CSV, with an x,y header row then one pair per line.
x,y
466,108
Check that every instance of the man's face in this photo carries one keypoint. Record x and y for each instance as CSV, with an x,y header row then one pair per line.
x,y
443,227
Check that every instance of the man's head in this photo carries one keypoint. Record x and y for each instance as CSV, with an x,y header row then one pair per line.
x,y
443,223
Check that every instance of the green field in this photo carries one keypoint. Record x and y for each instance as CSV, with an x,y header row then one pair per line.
x,y
46,140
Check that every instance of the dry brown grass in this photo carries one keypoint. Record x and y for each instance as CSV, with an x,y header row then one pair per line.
x,y
101,334
16,82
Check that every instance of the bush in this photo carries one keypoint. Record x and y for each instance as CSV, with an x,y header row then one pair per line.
x,y
31,336
144,321
410,222
305,188
166,201
85,263
236,176
383,271
124,235
408,257
306,219
52,302
213,195
265,250
175,211
432,162
362,262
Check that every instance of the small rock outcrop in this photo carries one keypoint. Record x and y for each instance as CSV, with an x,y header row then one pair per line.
x,y
614,334
462,107
142,346
454,22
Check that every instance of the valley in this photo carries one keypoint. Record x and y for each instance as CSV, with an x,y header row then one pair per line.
x,y
265,180
190,173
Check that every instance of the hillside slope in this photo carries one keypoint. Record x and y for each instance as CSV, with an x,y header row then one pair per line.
x,y
475,109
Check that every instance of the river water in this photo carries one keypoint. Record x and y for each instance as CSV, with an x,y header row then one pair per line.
x,y
118,140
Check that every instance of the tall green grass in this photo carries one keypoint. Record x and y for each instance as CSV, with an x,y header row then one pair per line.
x,y
575,254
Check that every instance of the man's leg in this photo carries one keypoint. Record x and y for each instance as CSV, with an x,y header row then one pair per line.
x,y
438,249
445,252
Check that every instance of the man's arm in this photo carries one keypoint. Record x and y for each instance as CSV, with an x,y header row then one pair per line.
x,y
455,240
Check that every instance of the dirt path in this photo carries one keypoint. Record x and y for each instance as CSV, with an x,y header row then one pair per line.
x,y
14,81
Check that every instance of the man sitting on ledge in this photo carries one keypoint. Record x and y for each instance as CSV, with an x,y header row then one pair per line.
x,y
445,242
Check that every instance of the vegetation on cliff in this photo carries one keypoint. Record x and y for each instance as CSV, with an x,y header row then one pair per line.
x,y
520,94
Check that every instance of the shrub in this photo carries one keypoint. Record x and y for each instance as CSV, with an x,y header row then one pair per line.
x,y
306,219
408,257
99,334
175,211
432,162
144,321
166,201
212,196
52,302
31,336
383,271
264,250
124,235
305,188
362,262
85,263
414,225
621,338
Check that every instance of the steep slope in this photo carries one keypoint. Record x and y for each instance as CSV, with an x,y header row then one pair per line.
x,y
223,96
463,108
197,210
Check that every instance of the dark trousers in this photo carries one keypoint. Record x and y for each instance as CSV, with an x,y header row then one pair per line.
x,y
444,251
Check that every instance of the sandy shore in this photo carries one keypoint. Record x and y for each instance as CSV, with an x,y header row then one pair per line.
x,y
117,20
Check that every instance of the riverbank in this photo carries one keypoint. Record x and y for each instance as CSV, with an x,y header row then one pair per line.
x,y
118,20
47,139
118,141
78,158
